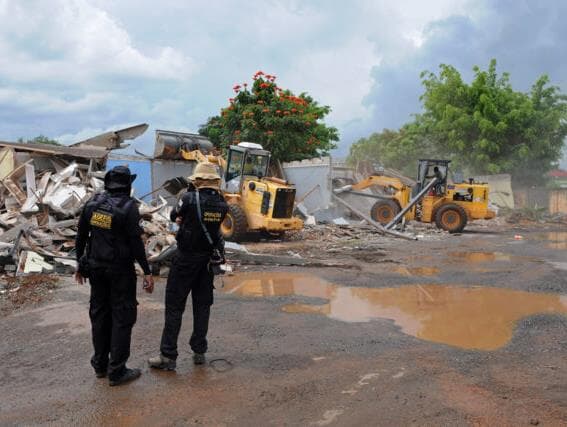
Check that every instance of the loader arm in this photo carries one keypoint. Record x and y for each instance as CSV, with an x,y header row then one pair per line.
x,y
198,156
379,180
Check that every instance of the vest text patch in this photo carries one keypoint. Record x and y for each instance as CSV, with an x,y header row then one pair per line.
x,y
101,220
212,216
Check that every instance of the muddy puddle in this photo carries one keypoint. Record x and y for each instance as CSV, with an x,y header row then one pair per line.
x,y
481,257
472,318
414,271
554,239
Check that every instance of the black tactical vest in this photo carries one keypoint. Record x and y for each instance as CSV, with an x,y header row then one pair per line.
x,y
190,237
108,243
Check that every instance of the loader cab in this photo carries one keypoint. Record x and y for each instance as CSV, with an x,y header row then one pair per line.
x,y
245,159
429,169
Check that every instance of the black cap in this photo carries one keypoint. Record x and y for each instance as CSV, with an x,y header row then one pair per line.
x,y
119,177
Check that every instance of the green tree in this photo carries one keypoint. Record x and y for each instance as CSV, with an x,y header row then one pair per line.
x,y
398,149
41,139
289,126
487,127
484,127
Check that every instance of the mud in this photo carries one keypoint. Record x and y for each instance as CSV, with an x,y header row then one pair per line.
x,y
473,343
415,271
482,257
479,318
25,291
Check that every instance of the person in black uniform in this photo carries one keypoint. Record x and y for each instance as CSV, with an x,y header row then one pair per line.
x,y
202,206
108,242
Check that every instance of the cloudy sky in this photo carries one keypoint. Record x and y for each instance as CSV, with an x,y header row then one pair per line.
x,y
70,69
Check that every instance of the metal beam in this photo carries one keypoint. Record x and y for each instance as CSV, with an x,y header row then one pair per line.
x,y
410,205
347,189
370,221
128,157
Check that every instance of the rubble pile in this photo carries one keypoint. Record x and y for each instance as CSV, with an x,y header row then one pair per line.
x,y
330,233
40,201
159,232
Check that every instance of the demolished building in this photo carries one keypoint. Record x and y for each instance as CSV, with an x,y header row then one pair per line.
x,y
42,190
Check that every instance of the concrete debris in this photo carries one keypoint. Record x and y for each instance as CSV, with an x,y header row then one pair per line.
x,y
340,221
32,262
35,194
42,191
310,220
235,247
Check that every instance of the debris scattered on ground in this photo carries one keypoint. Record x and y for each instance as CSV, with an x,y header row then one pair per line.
x,y
16,292
530,215
340,221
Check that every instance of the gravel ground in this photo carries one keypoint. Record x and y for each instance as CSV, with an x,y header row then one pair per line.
x,y
285,351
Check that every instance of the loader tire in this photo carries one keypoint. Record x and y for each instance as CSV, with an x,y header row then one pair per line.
x,y
383,211
451,218
235,226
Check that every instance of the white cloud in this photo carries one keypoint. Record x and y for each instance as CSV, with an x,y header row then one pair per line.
x,y
42,102
71,40
338,76
99,62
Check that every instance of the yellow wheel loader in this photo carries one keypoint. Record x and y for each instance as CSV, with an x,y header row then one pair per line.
x,y
431,199
257,202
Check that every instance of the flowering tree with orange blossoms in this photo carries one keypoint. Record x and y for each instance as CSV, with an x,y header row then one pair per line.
x,y
289,126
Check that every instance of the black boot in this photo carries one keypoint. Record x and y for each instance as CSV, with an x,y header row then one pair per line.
x,y
199,358
128,376
162,362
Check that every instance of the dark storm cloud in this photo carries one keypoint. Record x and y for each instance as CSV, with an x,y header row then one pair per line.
x,y
527,39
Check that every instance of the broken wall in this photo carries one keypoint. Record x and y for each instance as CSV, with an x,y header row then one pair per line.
x,y
163,170
312,180
500,193
343,174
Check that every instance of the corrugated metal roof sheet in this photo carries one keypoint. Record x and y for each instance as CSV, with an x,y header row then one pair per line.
x,y
82,152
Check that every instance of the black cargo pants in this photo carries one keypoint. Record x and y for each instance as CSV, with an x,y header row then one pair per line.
x,y
188,273
113,310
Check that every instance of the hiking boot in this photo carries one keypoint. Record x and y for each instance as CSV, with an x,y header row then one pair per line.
x,y
162,362
198,358
100,374
128,376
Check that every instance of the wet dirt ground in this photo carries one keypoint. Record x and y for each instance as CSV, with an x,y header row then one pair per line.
x,y
465,330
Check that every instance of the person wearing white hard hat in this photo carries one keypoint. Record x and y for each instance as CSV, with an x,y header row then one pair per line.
x,y
199,214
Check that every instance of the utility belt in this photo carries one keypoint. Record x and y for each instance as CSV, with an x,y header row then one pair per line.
x,y
121,266
87,265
